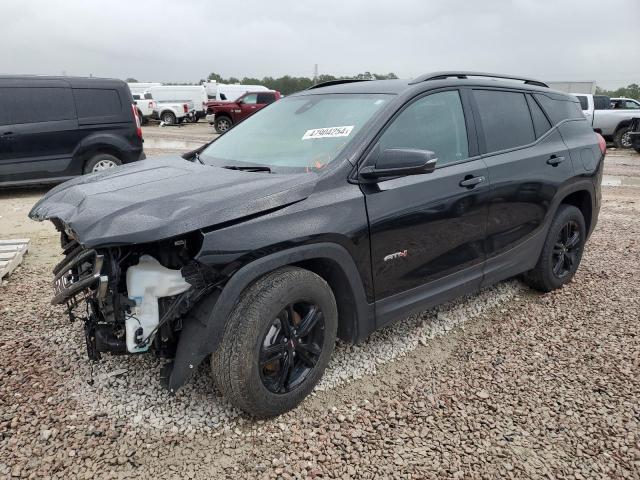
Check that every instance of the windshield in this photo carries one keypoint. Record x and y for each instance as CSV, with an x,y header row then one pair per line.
x,y
296,133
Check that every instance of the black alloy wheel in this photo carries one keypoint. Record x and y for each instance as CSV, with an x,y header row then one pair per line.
x,y
566,249
562,251
291,346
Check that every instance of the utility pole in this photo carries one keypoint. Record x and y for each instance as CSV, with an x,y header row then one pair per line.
x,y
315,73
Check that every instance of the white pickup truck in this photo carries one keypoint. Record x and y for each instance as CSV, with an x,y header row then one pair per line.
x,y
172,113
612,123
145,106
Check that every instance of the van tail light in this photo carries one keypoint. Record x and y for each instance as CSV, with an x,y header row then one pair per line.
x,y
138,122
602,144
185,107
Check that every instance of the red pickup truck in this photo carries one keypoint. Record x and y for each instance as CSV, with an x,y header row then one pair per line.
x,y
224,115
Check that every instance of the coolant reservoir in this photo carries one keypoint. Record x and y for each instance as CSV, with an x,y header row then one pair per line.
x,y
146,282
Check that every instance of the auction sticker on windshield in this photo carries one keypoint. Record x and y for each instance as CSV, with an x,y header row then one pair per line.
x,y
327,132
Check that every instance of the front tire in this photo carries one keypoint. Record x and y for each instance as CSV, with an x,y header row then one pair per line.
x,y
277,342
622,138
562,251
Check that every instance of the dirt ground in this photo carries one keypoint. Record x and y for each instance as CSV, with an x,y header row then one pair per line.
x,y
507,383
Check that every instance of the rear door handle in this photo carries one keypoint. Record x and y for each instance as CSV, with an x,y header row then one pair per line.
x,y
554,161
471,182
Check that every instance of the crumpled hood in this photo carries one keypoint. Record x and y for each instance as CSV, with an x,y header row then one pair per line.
x,y
163,197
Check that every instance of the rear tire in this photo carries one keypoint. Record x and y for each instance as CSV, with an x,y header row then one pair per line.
x,y
562,251
622,139
168,118
223,124
266,364
637,150
101,162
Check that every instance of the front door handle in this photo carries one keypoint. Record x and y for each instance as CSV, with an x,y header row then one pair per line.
x,y
471,182
554,161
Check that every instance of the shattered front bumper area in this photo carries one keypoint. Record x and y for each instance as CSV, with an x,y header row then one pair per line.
x,y
79,271
130,300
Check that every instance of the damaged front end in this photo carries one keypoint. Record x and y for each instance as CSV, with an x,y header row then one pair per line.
x,y
131,299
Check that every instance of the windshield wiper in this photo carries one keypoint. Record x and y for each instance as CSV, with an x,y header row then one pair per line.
x,y
197,157
254,168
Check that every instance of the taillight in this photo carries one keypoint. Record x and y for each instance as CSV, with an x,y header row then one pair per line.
x,y
602,144
138,123
185,107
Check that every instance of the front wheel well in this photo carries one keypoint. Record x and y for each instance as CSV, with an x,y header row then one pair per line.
x,y
333,274
623,124
88,154
581,200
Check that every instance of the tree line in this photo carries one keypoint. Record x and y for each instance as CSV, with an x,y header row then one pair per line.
x,y
630,91
286,84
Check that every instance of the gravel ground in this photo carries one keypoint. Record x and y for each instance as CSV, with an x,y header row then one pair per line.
x,y
506,383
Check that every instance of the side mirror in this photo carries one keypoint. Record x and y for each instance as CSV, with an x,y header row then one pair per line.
x,y
399,162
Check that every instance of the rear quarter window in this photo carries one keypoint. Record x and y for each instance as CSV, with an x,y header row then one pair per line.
x,y
559,109
97,102
505,117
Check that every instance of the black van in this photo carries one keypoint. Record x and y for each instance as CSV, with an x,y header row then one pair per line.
x,y
54,128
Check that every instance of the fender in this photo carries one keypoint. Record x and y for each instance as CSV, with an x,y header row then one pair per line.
x,y
204,325
97,141
622,124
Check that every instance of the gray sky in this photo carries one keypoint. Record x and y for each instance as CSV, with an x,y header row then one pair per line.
x,y
184,40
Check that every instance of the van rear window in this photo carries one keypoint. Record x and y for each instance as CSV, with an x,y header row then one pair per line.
x,y
97,102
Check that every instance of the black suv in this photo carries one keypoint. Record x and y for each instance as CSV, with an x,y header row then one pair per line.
x,y
54,128
326,215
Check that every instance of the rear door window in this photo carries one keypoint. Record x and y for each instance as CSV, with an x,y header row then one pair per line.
x,y
436,123
266,98
97,102
505,117
35,104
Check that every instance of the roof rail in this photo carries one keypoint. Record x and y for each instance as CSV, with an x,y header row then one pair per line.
x,y
463,75
336,82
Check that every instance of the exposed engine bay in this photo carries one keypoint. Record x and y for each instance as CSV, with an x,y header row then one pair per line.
x,y
131,298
